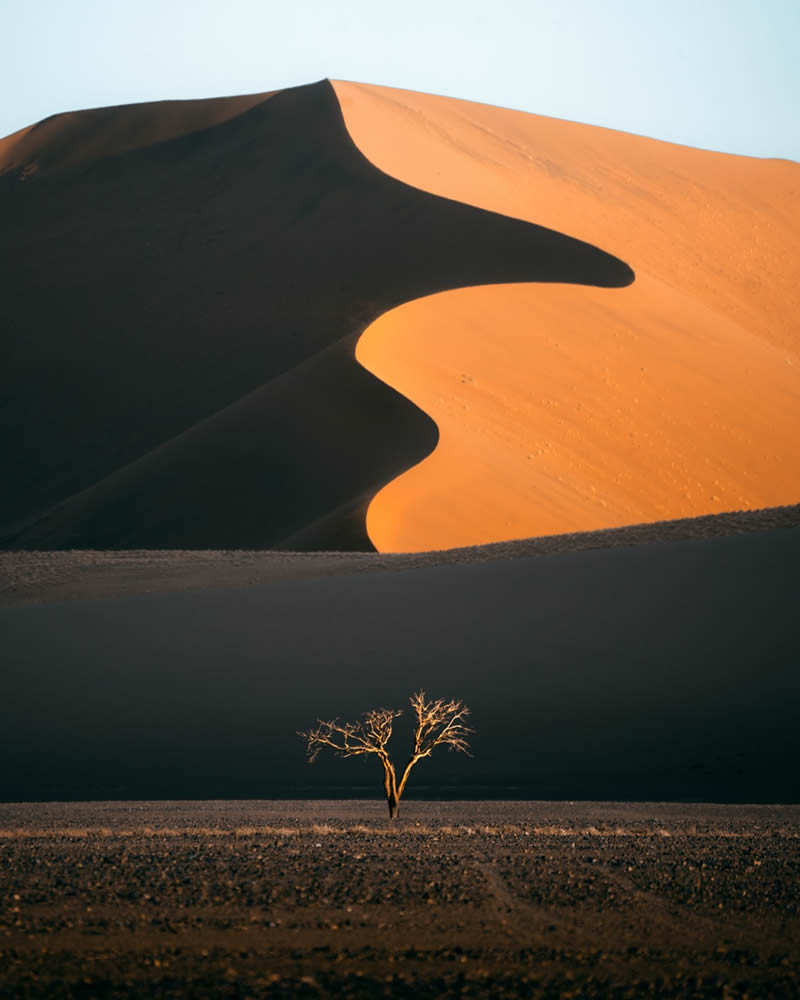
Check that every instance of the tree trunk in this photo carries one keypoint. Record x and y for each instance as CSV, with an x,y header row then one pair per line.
x,y
390,787
399,789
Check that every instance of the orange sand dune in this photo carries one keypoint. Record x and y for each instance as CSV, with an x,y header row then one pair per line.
x,y
181,305
565,408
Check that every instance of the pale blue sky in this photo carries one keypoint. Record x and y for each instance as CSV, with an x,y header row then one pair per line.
x,y
721,74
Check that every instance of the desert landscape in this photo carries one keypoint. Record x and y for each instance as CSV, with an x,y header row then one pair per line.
x,y
585,329
462,899
316,397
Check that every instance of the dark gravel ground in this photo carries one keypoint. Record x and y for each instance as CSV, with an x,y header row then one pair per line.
x,y
316,899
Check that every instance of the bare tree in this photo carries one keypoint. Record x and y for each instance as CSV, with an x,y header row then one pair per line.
x,y
438,723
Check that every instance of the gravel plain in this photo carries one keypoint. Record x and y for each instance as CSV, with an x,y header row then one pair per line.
x,y
460,899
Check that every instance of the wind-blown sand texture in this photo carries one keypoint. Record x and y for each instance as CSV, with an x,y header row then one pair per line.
x,y
565,409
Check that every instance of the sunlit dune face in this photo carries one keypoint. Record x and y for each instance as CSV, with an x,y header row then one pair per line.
x,y
255,253
564,408
583,425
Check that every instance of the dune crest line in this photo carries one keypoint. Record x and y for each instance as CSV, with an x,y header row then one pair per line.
x,y
565,409
199,326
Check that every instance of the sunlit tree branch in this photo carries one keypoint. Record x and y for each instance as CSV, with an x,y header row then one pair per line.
x,y
349,739
438,723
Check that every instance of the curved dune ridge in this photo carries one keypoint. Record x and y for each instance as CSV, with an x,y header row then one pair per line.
x,y
77,138
568,409
183,284
237,323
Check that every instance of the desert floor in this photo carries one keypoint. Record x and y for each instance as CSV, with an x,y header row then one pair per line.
x,y
474,899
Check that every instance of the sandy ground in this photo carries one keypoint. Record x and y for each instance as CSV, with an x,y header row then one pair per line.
x,y
286,899
563,408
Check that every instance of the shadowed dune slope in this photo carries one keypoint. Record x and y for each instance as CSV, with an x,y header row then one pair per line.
x,y
665,670
572,409
76,139
181,320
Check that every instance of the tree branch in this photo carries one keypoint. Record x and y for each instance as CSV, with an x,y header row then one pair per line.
x,y
440,723
349,739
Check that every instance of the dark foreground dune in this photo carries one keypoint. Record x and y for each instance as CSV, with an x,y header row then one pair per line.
x,y
182,286
467,899
660,666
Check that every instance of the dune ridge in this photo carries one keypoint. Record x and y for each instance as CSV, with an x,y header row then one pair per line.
x,y
571,409
75,139
183,317
101,574
223,290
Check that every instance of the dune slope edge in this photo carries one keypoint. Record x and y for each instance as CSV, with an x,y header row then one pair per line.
x,y
571,409
183,317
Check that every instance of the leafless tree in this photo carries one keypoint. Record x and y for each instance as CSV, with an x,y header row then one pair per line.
x,y
438,723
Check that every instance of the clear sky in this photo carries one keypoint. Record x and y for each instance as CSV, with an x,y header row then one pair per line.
x,y
721,74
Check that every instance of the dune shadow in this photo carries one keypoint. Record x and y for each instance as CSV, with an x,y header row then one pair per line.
x,y
181,324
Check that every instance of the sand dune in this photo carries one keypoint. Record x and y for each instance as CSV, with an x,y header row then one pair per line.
x,y
565,409
662,664
184,287
182,306
76,139
187,284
